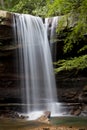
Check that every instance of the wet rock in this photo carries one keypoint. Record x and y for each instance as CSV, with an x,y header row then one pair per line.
x,y
24,117
47,114
70,96
84,110
12,114
77,112
45,117
83,95
46,128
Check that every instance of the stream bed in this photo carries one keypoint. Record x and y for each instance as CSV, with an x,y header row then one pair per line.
x,y
56,123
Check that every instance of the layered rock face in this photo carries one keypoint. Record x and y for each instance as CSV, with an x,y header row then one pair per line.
x,y
9,88
73,93
72,90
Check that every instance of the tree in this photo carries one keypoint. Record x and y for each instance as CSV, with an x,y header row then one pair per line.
x,y
35,7
78,10
2,3
8,4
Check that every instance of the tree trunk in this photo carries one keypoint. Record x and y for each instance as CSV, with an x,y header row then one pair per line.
x,y
2,4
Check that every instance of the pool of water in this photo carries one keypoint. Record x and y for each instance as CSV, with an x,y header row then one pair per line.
x,y
14,124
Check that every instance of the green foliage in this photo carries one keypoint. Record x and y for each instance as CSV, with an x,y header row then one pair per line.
x,y
21,7
78,63
59,7
83,49
77,12
40,11
34,7
74,37
8,4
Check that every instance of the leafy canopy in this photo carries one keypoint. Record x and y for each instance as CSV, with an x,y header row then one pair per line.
x,y
77,11
34,7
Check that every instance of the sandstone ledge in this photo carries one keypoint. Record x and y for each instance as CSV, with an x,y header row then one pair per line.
x,y
5,18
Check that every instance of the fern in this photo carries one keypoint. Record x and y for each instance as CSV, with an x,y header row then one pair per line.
x,y
78,63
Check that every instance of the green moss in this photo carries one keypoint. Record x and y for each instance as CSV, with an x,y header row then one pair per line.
x,y
78,63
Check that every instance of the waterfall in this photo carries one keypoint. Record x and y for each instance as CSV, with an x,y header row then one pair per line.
x,y
51,25
35,64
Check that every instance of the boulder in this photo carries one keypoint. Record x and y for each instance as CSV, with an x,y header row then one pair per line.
x,y
45,117
75,112
47,114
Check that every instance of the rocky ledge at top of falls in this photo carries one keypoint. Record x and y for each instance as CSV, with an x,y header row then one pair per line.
x,y
5,18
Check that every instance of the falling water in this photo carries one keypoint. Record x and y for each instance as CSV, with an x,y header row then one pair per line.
x,y
38,82
51,25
